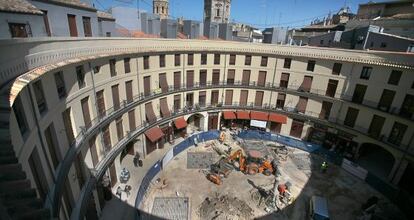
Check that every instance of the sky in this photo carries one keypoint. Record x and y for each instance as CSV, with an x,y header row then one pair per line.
x,y
259,13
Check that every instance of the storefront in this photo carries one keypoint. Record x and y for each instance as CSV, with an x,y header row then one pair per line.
x,y
180,127
153,136
229,118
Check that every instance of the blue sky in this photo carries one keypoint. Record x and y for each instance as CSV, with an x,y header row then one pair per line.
x,y
260,13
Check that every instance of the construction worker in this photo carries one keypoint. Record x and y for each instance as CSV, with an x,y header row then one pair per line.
x,y
324,166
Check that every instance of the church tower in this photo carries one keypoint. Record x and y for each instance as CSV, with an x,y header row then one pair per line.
x,y
217,11
160,7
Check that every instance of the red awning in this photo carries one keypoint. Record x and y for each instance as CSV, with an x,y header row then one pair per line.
x,y
229,115
243,115
278,118
180,123
154,134
262,116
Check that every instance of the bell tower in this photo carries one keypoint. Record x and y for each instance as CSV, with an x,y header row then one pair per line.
x,y
160,7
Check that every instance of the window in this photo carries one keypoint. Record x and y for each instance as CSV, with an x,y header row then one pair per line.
x,y
280,103
321,42
230,76
325,110
287,63
203,59
202,98
216,59
52,144
301,106
248,60
40,97
162,60
115,97
232,59
407,108
311,65
87,26
383,45
359,93
177,60
60,84
19,30
20,116
263,62
371,44
336,70
46,22
146,62
331,90
190,59
397,133
366,72
395,77
72,25
80,75
100,100
108,34
386,100
284,80
127,66
218,13
376,126
351,117
112,69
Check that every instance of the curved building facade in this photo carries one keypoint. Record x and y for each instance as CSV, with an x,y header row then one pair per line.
x,y
72,107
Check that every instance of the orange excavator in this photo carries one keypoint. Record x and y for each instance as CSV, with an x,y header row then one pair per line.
x,y
251,165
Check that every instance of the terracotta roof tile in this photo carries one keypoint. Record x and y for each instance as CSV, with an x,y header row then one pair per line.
x,y
19,6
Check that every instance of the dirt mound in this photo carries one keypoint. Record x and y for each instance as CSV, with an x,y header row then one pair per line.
x,y
225,208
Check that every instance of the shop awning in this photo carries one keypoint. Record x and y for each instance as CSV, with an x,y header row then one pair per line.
x,y
229,115
154,134
243,115
277,118
180,123
261,116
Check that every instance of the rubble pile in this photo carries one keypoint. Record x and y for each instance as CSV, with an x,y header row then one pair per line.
x,y
224,207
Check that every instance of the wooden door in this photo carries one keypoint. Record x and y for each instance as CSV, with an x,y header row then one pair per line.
x,y
331,90
190,79
147,85
163,82
177,80
115,97
303,102
101,103
326,110
306,84
229,97
246,77
261,81
296,129
214,97
203,77
243,97
128,90
72,25
259,98
216,77
87,26
85,111
150,146
190,99
275,127
212,121
38,174
230,77
131,118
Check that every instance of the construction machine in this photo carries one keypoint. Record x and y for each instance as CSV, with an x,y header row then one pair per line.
x,y
252,164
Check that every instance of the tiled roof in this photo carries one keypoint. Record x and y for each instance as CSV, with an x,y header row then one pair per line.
x,y
69,3
19,6
105,16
